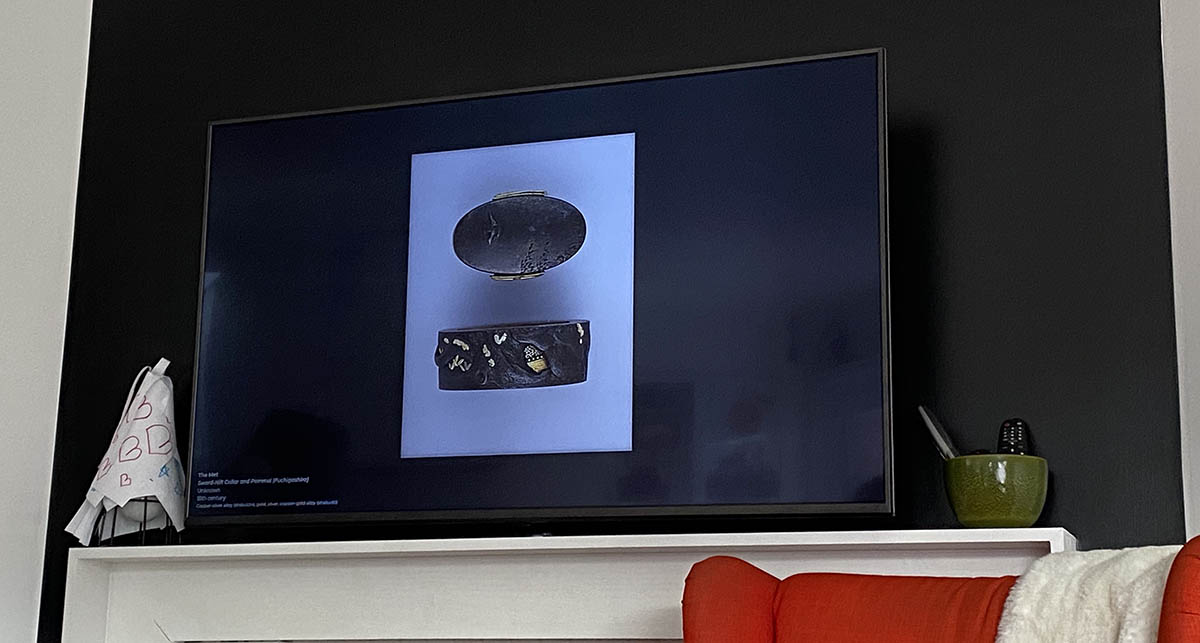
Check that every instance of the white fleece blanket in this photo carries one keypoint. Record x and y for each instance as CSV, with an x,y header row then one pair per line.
x,y
1094,596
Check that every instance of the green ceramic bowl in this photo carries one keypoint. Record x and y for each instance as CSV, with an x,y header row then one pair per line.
x,y
997,489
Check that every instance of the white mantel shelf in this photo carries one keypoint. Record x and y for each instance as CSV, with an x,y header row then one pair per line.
x,y
614,588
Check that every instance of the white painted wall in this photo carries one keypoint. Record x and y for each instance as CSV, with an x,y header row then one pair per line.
x,y
43,61
1181,79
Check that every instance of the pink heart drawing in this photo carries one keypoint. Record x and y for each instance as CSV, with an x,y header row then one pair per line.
x,y
129,452
104,467
138,414
158,439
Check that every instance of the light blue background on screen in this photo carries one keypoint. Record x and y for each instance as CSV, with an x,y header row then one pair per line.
x,y
596,175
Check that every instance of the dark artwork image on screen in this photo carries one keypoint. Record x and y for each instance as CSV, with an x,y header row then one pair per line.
x,y
652,296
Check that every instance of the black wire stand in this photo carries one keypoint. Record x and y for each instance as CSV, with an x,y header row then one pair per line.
x,y
170,534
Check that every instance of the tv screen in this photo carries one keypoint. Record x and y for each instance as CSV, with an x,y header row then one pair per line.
x,y
661,295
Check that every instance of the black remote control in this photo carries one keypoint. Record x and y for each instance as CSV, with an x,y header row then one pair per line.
x,y
1014,437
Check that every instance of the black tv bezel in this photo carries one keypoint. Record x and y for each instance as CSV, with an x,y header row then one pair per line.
x,y
550,515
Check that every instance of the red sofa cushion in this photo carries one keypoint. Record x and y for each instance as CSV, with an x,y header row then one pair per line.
x,y
852,608
726,599
1180,619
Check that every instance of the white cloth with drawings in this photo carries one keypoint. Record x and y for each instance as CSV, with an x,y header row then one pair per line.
x,y
142,460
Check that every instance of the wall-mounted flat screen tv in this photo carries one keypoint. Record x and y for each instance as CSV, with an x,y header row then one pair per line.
x,y
663,295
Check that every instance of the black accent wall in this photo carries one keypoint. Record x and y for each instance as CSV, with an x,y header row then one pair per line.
x,y
1030,233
